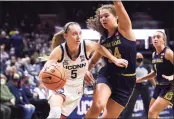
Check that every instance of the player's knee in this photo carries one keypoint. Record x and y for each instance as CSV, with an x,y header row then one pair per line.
x,y
152,114
55,112
98,106
55,101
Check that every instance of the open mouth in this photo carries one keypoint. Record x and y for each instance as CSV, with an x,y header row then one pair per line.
x,y
155,42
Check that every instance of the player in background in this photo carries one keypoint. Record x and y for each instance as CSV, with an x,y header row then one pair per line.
x,y
162,60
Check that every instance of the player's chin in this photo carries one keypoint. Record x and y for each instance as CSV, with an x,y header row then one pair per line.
x,y
78,42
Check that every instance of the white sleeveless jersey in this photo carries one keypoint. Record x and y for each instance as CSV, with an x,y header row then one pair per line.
x,y
75,69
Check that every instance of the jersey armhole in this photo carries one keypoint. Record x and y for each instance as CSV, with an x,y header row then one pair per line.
x,y
153,54
84,44
61,55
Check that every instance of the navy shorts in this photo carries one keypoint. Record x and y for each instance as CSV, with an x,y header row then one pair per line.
x,y
121,87
164,91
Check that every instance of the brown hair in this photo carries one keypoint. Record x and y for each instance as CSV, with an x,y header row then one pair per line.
x,y
94,22
58,37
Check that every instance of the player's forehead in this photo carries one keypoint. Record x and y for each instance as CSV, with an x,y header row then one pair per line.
x,y
158,34
74,28
104,12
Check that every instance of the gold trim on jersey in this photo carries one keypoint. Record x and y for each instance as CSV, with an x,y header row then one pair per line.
x,y
169,96
163,83
129,74
130,95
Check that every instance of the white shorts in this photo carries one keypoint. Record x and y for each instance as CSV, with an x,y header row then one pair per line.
x,y
72,96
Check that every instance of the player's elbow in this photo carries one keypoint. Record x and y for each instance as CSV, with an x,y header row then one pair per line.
x,y
98,47
91,64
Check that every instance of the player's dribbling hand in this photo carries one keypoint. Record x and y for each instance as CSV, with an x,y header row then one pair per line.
x,y
89,78
121,63
170,78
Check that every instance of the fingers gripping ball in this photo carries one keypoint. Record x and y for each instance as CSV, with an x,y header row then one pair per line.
x,y
53,77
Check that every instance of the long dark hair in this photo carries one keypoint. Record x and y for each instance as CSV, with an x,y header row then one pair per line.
x,y
94,22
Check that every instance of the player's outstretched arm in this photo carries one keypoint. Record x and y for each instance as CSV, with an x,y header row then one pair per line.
x,y
147,77
93,46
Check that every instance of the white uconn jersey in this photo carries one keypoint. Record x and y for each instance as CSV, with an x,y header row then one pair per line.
x,y
75,69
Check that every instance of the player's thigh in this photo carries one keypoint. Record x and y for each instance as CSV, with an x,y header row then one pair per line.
x,y
70,104
113,109
102,93
56,100
159,105
151,102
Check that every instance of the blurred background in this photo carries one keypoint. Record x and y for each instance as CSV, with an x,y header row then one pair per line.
x,y
27,29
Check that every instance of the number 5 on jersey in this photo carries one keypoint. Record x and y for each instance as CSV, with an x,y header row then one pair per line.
x,y
73,74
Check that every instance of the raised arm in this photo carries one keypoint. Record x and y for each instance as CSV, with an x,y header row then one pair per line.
x,y
124,22
123,17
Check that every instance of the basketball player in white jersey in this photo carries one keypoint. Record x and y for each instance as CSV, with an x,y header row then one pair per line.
x,y
73,55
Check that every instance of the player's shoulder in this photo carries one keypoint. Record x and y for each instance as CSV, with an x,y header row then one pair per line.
x,y
88,43
169,53
59,49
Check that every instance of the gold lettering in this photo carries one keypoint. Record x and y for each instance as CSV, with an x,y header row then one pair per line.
x,y
157,61
169,95
116,53
107,45
115,42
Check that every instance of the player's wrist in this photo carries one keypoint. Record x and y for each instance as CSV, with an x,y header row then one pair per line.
x,y
114,59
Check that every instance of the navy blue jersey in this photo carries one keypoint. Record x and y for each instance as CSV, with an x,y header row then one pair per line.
x,y
120,47
162,66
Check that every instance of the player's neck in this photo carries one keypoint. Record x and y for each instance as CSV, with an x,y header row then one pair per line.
x,y
159,49
73,51
112,30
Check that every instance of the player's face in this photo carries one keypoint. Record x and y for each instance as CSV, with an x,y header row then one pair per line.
x,y
107,19
74,34
158,39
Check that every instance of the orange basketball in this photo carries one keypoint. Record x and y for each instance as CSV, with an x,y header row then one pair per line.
x,y
53,77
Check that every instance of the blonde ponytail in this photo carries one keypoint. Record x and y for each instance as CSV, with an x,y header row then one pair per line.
x,y
57,39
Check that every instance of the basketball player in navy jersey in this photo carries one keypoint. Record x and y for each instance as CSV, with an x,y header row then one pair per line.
x,y
73,56
162,60
115,84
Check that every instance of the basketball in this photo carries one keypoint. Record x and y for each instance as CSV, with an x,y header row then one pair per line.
x,y
53,77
